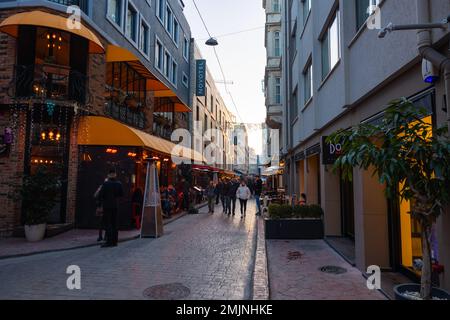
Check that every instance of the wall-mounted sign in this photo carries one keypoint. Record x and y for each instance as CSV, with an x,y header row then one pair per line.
x,y
330,152
201,78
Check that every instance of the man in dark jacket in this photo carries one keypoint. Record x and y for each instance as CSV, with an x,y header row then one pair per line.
x,y
234,185
218,192
258,192
111,191
225,196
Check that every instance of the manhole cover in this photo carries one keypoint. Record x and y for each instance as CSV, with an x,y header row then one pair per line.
x,y
333,270
172,291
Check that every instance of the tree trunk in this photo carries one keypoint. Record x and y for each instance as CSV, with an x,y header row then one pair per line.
x,y
425,292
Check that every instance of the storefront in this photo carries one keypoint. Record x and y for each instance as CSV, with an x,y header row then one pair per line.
x,y
106,144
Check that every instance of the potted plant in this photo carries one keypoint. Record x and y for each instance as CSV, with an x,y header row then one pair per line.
x,y
294,222
413,161
38,195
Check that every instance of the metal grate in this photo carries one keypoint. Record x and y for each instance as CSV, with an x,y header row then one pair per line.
x,y
333,270
172,291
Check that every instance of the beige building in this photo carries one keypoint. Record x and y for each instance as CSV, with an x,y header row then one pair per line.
x,y
211,113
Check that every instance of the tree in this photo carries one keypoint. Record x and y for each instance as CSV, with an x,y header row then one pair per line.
x,y
411,159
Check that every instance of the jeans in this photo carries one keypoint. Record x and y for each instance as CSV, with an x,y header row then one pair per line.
x,y
258,203
211,204
227,201
112,233
243,204
233,205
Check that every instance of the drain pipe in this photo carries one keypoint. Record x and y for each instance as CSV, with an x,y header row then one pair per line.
x,y
426,50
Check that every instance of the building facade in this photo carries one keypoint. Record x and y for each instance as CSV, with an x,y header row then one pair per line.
x,y
337,73
82,98
212,121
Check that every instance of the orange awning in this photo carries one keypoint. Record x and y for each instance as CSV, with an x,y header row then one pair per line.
x,y
44,19
119,54
102,131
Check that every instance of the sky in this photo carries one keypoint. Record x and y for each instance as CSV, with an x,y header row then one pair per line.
x,y
242,55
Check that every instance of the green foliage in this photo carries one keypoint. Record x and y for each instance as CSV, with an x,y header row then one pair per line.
x,y
315,211
301,211
277,211
38,194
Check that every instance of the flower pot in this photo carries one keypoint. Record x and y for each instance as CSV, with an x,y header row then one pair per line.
x,y
35,233
436,293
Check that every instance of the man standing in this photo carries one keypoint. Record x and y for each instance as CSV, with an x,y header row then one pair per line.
x,y
225,196
258,192
111,191
234,185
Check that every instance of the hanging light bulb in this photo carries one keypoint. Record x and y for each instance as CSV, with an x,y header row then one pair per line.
x,y
48,36
43,135
58,136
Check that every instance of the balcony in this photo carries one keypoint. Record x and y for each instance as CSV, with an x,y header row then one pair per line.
x,y
49,81
83,4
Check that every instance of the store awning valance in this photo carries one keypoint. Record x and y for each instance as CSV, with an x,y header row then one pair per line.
x,y
44,19
272,171
119,54
102,131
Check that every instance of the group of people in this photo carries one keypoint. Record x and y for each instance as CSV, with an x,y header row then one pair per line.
x,y
170,201
229,191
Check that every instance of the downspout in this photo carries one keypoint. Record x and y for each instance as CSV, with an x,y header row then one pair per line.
x,y
426,50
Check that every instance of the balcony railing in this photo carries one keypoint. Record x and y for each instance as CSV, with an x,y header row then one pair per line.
x,y
48,81
83,4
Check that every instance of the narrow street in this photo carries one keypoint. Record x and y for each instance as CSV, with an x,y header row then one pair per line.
x,y
210,255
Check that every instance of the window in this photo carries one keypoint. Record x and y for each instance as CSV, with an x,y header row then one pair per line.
x,y
169,20
115,11
144,38
306,10
160,10
330,47
277,90
363,9
159,59
294,105
186,48
276,6
167,59
176,31
174,73
308,83
131,31
185,80
277,47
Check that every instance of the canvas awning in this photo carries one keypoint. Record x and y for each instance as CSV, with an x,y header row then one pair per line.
x,y
102,131
44,19
161,90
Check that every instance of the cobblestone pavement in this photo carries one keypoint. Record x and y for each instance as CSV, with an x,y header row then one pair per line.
x,y
294,273
212,256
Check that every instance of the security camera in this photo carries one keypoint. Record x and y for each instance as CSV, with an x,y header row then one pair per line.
x,y
430,73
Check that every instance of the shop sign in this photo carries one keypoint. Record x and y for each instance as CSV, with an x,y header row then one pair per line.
x,y
201,78
330,152
300,156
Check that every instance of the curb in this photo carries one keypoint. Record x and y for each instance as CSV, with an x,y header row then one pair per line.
x,y
261,290
22,255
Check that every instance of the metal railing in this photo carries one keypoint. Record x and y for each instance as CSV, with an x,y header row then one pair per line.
x,y
83,4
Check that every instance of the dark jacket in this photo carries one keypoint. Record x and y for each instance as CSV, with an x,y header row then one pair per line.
x,y
226,189
233,189
111,191
219,188
258,187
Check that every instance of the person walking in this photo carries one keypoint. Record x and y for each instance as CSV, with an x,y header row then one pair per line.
x,y
110,192
258,191
225,196
218,191
211,195
243,193
99,213
234,185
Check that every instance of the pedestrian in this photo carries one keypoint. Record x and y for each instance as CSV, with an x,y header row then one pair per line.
x,y
211,195
258,191
243,193
234,185
218,191
137,200
303,201
225,196
110,192
99,214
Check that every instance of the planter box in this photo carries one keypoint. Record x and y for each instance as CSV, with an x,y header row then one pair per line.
x,y
294,229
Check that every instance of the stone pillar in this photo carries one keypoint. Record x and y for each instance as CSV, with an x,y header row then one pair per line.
x,y
331,201
371,222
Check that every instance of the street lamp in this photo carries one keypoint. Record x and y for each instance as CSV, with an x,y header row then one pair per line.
x,y
212,42
392,27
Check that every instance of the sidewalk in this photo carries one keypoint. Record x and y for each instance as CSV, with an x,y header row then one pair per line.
x,y
73,239
294,273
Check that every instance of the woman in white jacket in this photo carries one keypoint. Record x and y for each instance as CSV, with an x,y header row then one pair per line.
x,y
243,194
